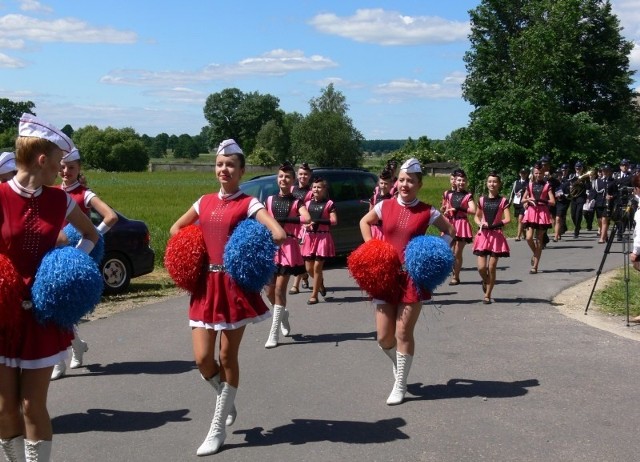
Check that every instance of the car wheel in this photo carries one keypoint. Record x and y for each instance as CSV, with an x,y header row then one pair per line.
x,y
116,272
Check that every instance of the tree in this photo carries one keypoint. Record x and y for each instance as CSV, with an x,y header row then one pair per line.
x,y
273,143
111,149
330,100
547,77
326,136
186,148
234,114
10,112
160,145
327,139
68,130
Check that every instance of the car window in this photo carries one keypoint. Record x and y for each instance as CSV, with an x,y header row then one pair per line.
x,y
260,188
350,186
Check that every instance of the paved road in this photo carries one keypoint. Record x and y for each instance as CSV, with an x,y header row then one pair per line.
x,y
510,381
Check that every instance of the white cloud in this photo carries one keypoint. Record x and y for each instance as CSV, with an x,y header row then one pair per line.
x,y
634,57
12,44
34,5
17,26
272,63
400,90
9,62
391,28
179,95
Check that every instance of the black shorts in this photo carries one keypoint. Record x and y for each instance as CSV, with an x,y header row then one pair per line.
x,y
602,212
562,208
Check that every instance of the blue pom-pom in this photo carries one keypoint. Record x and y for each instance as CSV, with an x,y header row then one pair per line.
x,y
429,261
74,237
249,255
68,285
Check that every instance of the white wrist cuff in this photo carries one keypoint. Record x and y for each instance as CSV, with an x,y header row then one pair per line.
x,y
85,245
446,238
103,228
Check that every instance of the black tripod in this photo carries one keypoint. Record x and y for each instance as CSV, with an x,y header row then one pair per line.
x,y
624,222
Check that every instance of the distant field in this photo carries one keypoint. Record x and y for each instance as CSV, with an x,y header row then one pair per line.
x,y
160,198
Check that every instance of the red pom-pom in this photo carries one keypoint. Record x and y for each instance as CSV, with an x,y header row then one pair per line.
x,y
375,266
185,257
12,290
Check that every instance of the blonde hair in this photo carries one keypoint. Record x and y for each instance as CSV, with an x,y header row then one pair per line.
x,y
28,148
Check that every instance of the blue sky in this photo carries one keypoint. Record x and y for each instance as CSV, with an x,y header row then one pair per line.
x,y
150,65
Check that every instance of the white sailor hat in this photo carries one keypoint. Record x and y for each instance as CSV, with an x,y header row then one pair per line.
x,y
7,162
71,156
229,147
31,126
411,166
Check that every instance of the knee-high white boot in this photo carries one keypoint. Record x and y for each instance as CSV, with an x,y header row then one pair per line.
x,y
285,327
13,448
78,348
37,451
217,432
58,370
391,353
400,387
272,341
215,384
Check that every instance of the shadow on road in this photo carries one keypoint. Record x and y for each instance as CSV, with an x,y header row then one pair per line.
x,y
111,420
468,388
302,431
140,367
331,338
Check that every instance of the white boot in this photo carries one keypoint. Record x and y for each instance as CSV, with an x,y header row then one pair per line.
x,y
400,387
78,348
272,341
13,449
58,370
217,432
391,353
215,383
285,327
37,451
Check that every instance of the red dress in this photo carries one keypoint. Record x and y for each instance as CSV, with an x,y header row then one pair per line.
x,y
218,301
29,227
81,195
400,223
491,241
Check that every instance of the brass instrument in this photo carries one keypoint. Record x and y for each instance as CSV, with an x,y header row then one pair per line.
x,y
578,185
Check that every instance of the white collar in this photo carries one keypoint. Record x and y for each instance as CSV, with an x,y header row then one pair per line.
x,y
22,191
221,195
71,187
407,204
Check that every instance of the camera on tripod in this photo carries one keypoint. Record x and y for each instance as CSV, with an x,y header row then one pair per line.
x,y
623,204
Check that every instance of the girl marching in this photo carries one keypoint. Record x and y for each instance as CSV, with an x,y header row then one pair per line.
x,y
218,304
537,217
490,243
459,204
290,213
403,217
318,242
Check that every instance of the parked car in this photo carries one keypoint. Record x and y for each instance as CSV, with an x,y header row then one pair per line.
x,y
349,188
126,253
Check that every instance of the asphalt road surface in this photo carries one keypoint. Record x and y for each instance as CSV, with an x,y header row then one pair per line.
x,y
511,381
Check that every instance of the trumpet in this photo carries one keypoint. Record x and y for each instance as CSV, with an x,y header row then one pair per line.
x,y
584,176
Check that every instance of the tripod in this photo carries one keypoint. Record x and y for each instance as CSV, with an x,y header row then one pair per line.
x,y
626,250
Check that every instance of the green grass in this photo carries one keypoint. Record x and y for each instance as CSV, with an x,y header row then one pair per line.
x,y
612,298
